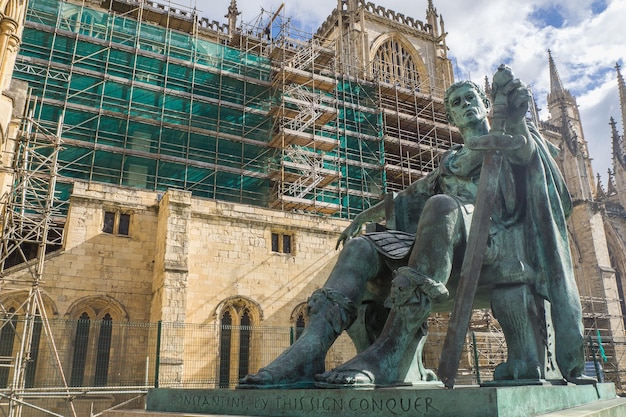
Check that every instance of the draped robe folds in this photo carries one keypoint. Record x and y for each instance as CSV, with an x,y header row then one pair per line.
x,y
533,195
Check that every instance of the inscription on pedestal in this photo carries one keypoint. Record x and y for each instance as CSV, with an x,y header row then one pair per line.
x,y
423,401
288,402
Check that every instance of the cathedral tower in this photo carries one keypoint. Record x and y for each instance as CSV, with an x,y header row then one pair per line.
x,y
597,282
564,115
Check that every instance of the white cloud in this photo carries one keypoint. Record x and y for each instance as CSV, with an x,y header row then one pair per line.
x,y
484,33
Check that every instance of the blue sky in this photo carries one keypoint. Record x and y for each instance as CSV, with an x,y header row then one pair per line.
x,y
586,38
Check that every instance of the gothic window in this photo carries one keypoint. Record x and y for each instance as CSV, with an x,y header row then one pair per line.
x,y
237,319
225,341
96,337
7,338
244,344
12,328
299,319
31,366
103,351
85,347
81,342
395,65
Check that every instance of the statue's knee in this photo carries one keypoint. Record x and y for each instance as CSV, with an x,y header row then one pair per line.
x,y
359,246
439,210
441,204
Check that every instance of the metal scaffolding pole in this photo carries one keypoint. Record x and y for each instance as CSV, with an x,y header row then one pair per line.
x,y
28,212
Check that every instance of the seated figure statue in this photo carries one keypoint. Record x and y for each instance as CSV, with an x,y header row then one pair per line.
x,y
385,284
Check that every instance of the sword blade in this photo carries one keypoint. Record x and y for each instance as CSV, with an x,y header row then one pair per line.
x,y
470,270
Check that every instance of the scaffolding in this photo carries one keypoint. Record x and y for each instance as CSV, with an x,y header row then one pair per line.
x,y
154,97
417,132
32,224
145,105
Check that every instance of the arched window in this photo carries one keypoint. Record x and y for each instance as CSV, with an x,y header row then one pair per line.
x,y
244,343
299,319
103,351
96,337
225,342
15,324
7,338
31,366
81,343
394,64
237,319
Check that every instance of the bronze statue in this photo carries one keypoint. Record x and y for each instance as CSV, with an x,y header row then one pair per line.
x,y
413,269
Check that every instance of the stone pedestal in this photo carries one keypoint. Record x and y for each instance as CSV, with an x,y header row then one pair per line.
x,y
424,400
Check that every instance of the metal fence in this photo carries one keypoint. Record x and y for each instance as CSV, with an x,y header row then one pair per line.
x,y
89,366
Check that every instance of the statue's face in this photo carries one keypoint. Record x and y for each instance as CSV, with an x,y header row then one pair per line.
x,y
466,107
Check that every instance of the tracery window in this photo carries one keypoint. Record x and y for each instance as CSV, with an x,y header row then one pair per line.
x,y
394,64
93,339
91,346
237,319
299,319
31,367
79,358
10,324
7,339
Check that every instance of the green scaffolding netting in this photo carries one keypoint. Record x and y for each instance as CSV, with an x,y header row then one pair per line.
x,y
151,107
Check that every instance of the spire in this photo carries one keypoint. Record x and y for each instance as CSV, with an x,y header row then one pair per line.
x,y
487,86
600,193
556,86
232,9
557,91
612,189
622,96
618,151
431,18
442,26
232,17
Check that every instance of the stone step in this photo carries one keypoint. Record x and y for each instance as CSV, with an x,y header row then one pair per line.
x,y
605,408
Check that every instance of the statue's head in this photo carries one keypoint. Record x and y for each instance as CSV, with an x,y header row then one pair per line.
x,y
458,85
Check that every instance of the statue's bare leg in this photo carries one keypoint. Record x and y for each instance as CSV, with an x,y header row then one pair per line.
x,y
387,361
331,309
517,312
413,290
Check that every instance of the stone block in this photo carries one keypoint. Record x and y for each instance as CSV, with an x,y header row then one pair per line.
x,y
419,400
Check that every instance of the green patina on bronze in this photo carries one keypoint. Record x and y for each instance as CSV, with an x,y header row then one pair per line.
x,y
434,402
514,257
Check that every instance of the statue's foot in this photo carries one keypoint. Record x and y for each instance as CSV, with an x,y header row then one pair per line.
x,y
356,373
428,375
329,313
582,380
264,379
347,378
517,369
296,367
